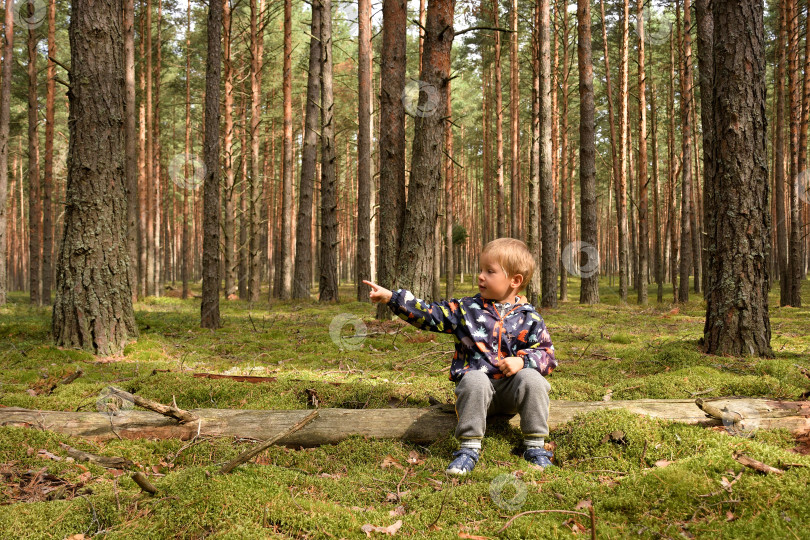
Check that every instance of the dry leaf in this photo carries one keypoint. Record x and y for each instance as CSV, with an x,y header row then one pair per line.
x,y
585,503
662,463
730,515
414,458
47,455
398,511
471,536
85,477
389,461
368,528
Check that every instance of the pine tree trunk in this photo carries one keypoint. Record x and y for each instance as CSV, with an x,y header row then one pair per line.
x,y
705,39
229,193
794,241
565,245
548,218
285,264
589,269
392,144
186,241
93,305
514,118
737,320
34,195
621,179
257,52
643,234
364,162
533,288
415,270
448,201
779,153
302,279
5,110
156,165
501,202
686,168
671,174
132,172
143,184
658,265
328,282
209,309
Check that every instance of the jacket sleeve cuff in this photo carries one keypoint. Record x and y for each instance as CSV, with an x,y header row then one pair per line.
x,y
394,302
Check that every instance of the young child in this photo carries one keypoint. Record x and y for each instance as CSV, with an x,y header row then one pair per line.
x,y
503,350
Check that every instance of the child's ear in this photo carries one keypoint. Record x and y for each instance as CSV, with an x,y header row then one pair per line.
x,y
517,280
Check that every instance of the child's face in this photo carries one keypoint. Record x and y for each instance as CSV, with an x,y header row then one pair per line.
x,y
493,283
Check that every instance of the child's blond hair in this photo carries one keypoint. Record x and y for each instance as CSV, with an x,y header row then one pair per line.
x,y
513,256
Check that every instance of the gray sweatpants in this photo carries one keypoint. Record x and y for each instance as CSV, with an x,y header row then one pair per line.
x,y
525,393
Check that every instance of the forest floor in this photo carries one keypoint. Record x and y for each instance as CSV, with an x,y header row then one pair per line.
x,y
665,480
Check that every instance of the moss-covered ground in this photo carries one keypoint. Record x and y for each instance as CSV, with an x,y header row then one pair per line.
x,y
662,480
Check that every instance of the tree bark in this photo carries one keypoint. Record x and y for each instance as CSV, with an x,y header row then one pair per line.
x,y
795,261
415,270
514,130
686,168
392,144
565,178
156,164
309,156
257,52
132,172
737,320
548,210
533,289
658,266
285,265
501,209
5,110
422,425
589,287
229,192
34,182
209,308
705,40
643,179
364,161
93,306
621,179
328,282
448,199
186,241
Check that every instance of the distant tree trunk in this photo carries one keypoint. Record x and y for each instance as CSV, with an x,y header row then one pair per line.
x,y
686,168
416,255
364,162
737,320
671,176
302,280
533,288
244,218
392,143
149,147
328,282
779,153
621,180
34,195
93,305
795,261
657,240
565,178
643,235
448,198
185,243
501,209
705,39
548,210
132,171
285,264
5,110
589,288
229,202
257,52
514,118
209,308
156,157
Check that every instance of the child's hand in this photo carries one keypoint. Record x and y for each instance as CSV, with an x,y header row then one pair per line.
x,y
378,294
510,365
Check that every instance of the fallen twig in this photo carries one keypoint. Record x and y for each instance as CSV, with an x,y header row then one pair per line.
x,y
756,465
725,416
172,411
238,378
253,452
591,515
109,462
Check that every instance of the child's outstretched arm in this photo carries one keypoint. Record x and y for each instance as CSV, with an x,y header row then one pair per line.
x,y
535,348
442,316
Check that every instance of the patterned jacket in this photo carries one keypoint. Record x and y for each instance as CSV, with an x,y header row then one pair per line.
x,y
481,335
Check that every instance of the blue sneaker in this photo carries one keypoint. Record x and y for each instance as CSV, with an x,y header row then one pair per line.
x,y
539,457
464,462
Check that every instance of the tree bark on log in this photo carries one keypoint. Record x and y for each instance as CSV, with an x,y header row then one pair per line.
x,y
414,425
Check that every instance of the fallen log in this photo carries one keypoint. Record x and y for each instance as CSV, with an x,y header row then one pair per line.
x,y
416,425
